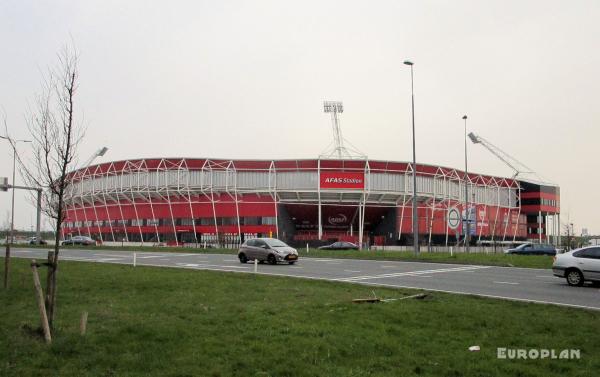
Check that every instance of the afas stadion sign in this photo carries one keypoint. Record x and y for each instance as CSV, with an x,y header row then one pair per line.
x,y
342,180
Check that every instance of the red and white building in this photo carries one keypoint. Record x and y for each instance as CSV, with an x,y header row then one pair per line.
x,y
217,201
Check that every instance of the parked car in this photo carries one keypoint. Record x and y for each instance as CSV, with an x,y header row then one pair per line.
x,y
340,246
533,249
79,240
267,249
33,241
578,266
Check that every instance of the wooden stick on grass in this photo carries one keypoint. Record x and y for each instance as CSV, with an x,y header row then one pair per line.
x,y
40,302
83,323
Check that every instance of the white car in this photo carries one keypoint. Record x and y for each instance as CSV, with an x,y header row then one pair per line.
x,y
578,266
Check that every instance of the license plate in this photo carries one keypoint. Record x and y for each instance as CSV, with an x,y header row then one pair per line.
x,y
292,256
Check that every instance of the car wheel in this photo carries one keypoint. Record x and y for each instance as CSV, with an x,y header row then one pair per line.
x,y
271,259
292,262
574,277
243,258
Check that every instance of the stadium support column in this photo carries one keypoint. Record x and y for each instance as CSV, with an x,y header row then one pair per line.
x,y
559,234
539,226
320,231
360,223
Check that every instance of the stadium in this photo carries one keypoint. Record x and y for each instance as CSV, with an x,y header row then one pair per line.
x,y
216,201
342,195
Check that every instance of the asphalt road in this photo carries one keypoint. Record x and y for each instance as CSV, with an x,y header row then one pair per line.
x,y
522,284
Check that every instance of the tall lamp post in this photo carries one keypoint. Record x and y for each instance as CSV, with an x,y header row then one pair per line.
x,y
13,144
467,217
414,173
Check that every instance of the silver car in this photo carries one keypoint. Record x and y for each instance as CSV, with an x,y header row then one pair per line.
x,y
267,249
578,266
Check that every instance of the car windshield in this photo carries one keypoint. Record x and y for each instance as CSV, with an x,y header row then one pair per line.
x,y
275,243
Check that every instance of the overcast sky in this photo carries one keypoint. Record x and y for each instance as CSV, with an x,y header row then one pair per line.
x,y
246,79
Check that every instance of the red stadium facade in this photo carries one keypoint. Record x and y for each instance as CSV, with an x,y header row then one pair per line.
x,y
197,201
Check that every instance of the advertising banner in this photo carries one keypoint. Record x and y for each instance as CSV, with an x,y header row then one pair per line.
x,y
342,180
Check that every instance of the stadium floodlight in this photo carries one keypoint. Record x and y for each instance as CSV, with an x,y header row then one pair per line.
x,y
408,62
474,138
333,107
99,153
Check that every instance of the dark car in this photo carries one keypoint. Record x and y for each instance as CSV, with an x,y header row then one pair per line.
x,y
340,246
33,241
79,240
532,249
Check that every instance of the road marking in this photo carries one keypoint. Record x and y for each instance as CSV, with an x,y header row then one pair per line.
x,y
412,273
106,259
230,260
389,266
320,260
545,276
187,264
505,282
112,255
353,271
151,256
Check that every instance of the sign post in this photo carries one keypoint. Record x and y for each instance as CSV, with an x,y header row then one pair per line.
x,y
453,218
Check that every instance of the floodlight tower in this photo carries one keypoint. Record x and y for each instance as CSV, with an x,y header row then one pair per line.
x,y
335,107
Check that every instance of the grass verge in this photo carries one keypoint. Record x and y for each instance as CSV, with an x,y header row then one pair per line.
x,y
175,322
491,259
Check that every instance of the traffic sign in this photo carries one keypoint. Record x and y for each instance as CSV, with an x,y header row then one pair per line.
x,y
453,218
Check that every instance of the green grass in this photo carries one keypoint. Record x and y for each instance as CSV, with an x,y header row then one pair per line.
x,y
175,322
492,259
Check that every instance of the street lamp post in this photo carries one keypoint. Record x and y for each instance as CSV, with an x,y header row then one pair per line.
x,y
467,217
13,144
414,173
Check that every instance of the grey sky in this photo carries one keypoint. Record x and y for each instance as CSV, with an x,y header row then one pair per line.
x,y
246,79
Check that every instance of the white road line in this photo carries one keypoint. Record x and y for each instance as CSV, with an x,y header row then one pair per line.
x,y
353,271
187,264
230,260
413,273
106,259
111,255
151,256
505,282
319,260
77,259
546,276
206,266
